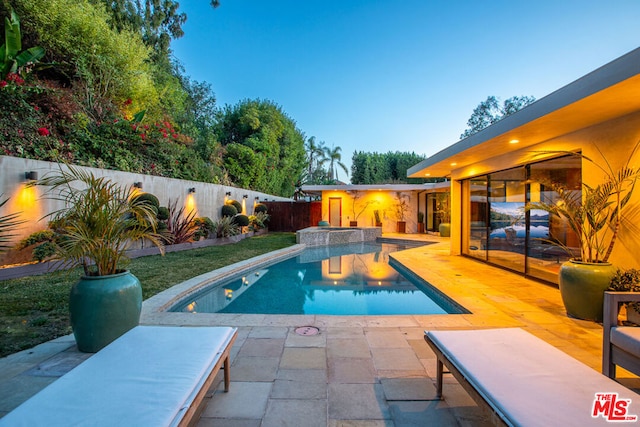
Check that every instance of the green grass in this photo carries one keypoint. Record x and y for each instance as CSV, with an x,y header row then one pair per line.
x,y
35,309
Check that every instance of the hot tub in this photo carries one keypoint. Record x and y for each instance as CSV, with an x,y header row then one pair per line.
x,y
322,236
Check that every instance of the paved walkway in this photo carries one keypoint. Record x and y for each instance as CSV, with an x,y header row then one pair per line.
x,y
362,371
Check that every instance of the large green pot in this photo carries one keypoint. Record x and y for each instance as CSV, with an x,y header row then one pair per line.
x,y
104,307
445,229
582,286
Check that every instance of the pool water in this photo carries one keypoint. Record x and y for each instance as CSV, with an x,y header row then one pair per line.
x,y
354,279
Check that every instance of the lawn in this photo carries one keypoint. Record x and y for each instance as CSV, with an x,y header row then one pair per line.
x,y
35,309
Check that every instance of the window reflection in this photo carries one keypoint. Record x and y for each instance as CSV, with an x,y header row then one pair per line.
x,y
500,230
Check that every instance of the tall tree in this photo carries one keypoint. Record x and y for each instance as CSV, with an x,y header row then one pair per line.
x,y
334,157
387,168
262,147
159,21
491,111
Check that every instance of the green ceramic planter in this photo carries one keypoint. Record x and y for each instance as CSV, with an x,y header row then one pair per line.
x,y
104,307
323,223
445,229
582,287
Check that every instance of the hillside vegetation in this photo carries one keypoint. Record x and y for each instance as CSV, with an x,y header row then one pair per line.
x,y
108,93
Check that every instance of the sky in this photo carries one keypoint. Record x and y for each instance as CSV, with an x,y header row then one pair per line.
x,y
404,75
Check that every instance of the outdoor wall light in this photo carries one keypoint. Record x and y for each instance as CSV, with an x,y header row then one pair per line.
x,y
228,193
245,197
192,190
256,198
137,184
31,176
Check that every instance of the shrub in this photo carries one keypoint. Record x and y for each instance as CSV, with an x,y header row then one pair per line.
x,y
163,213
226,227
37,237
204,227
229,211
258,221
180,225
626,281
260,208
236,204
241,220
44,251
148,198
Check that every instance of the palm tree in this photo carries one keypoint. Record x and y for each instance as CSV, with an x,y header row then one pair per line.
x,y
314,152
333,155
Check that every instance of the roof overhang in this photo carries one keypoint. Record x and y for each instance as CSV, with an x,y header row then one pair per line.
x,y
611,91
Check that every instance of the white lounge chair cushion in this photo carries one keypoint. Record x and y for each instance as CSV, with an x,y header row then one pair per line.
x,y
527,379
627,338
147,377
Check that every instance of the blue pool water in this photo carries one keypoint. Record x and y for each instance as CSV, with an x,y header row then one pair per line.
x,y
354,279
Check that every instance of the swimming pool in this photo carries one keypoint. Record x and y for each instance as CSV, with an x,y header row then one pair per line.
x,y
354,279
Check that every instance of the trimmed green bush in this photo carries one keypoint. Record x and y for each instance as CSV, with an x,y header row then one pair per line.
x,y
163,213
229,211
148,198
241,220
260,207
236,204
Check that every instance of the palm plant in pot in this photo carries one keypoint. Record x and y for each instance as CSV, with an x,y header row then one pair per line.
x,y
594,213
98,223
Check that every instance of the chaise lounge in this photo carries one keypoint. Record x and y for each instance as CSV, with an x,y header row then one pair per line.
x,y
620,344
522,380
150,376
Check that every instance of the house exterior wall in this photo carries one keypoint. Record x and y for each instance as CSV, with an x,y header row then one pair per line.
x,y
612,140
367,201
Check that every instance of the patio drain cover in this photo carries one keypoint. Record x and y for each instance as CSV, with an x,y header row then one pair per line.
x,y
307,330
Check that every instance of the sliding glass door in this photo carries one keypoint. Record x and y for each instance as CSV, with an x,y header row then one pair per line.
x,y
498,228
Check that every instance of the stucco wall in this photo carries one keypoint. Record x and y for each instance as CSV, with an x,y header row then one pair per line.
x,y
383,201
33,205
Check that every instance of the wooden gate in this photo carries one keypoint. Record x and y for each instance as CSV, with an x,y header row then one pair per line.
x,y
293,216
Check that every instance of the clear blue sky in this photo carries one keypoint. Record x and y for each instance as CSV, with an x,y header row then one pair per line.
x,y
397,75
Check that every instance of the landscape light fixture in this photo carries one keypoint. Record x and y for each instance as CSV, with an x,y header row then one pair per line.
x,y
192,190
31,176
228,193
137,184
245,197
256,198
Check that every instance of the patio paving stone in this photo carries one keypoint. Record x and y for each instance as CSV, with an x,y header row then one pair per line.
x,y
244,400
351,371
303,358
357,402
307,413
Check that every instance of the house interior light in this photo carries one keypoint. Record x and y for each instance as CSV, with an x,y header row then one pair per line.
x,y
31,176
137,184
192,190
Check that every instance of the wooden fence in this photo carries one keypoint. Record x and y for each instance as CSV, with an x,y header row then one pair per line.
x,y
293,216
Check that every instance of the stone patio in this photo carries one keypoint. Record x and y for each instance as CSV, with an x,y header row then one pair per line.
x,y
365,371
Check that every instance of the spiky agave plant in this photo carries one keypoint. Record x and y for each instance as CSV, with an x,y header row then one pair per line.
x,y
99,221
